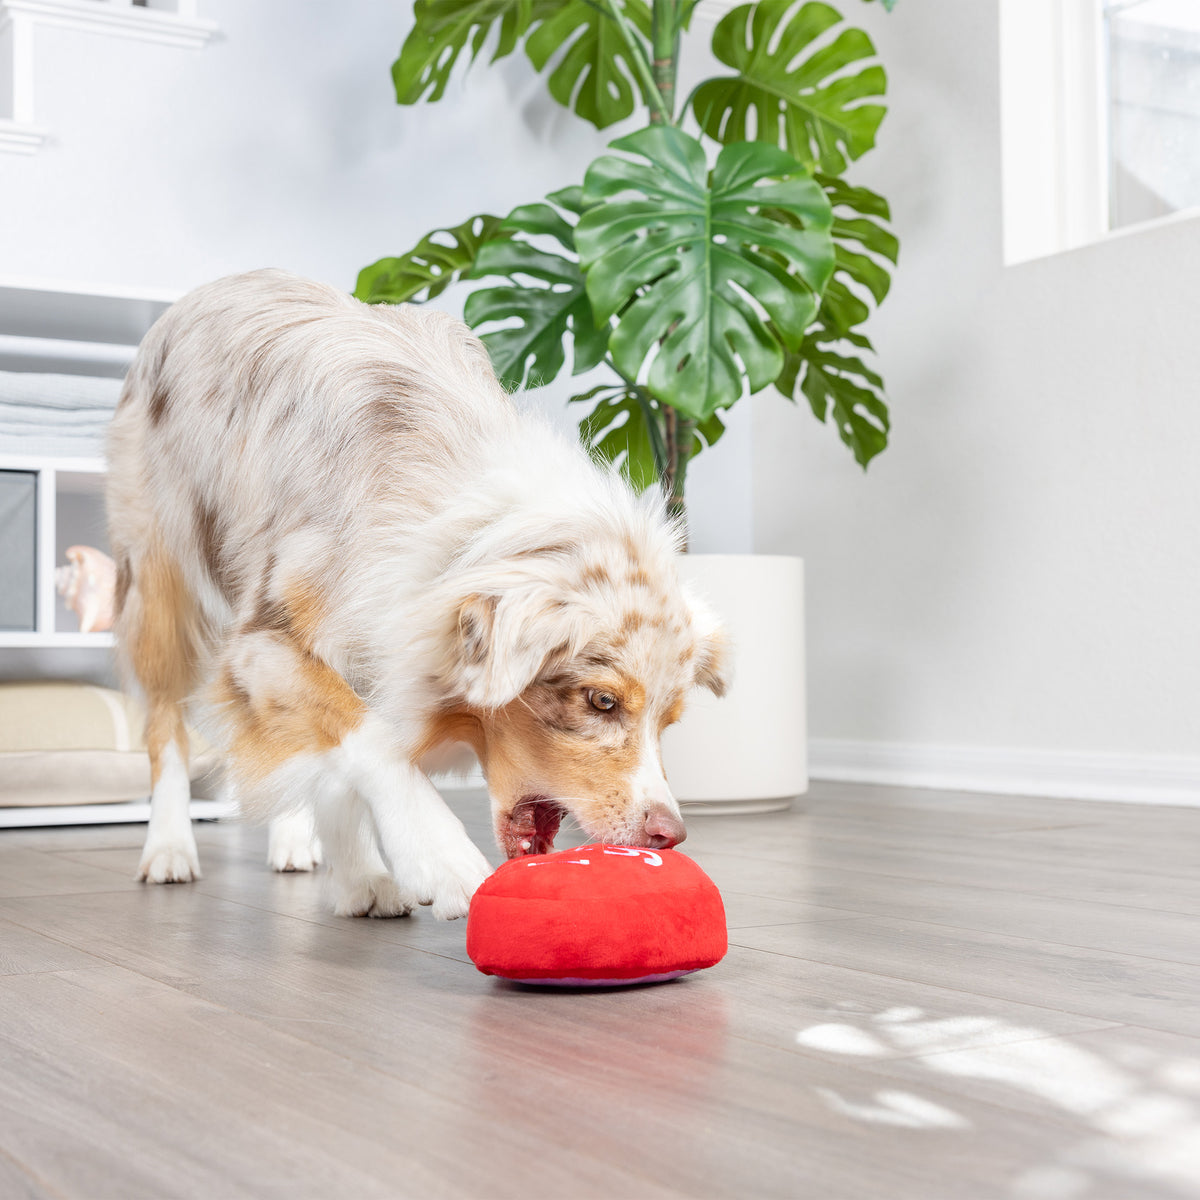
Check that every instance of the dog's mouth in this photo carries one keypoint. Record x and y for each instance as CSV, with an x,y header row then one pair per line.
x,y
531,826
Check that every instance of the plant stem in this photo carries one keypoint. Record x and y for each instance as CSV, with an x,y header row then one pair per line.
x,y
649,414
684,439
664,44
680,435
641,65
666,20
657,78
670,419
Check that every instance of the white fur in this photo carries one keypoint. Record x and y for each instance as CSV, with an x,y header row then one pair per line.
x,y
422,841
650,782
292,844
360,883
170,855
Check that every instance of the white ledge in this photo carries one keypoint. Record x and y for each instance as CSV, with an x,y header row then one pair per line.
x,y
119,20
16,137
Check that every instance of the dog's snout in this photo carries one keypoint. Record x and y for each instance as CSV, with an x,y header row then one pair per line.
x,y
663,829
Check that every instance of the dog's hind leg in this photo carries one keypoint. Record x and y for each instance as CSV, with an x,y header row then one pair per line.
x,y
292,843
158,634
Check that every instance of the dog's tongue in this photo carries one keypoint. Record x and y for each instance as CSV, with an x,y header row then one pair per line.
x,y
531,827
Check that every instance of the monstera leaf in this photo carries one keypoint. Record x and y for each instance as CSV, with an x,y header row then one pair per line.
x,y
788,91
441,32
624,428
691,263
439,259
545,294
864,253
864,245
594,76
843,386
833,379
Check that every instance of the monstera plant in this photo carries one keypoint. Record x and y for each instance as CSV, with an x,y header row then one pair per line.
x,y
717,252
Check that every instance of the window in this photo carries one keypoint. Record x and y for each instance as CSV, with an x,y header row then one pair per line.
x,y
1100,118
1153,61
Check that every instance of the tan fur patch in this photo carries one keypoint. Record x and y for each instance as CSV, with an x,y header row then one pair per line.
x,y
298,616
458,725
712,667
631,622
164,725
306,610
123,584
163,649
319,711
673,713
595,575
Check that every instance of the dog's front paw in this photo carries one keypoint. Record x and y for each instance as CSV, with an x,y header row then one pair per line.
x,y
292,845
449,884
169,862
371,896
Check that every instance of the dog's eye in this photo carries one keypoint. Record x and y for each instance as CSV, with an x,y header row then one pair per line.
x,y
601,701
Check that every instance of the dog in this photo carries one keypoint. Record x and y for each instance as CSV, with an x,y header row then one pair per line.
x,y
336,535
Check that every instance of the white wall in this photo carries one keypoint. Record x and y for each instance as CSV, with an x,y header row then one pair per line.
x,y
281,144
1021,568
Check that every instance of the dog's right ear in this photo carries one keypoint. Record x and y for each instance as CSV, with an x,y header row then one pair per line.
x,y
502,640
714,654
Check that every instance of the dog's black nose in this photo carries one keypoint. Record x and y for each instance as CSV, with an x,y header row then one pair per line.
x,y
663,829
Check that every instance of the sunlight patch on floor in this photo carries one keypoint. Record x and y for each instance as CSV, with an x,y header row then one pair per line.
x,y
1135,1109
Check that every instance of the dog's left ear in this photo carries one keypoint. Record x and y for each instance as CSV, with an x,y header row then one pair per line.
x,y
714,652
503,638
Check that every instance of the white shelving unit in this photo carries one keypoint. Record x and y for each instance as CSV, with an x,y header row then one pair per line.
x,y
57,326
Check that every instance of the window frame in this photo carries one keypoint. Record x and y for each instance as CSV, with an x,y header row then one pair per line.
x,y
1053,126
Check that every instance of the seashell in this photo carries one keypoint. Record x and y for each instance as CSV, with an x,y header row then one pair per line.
x,y
88,584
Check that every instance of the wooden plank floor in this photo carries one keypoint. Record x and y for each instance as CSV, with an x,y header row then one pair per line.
x,y
928,995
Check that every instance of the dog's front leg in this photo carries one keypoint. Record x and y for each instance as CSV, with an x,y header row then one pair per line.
x,y
426,847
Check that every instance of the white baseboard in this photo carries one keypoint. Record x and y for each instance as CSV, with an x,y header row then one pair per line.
x,y
1132,778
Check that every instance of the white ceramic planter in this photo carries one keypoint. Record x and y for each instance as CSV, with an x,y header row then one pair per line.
x,y
746,752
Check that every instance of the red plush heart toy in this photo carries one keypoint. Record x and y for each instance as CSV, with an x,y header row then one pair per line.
x,y
597,916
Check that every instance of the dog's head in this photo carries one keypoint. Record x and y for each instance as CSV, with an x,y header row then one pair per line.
x,y
570,666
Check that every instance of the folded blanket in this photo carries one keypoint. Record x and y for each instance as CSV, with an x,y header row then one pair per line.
x,y
55,415
56,392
